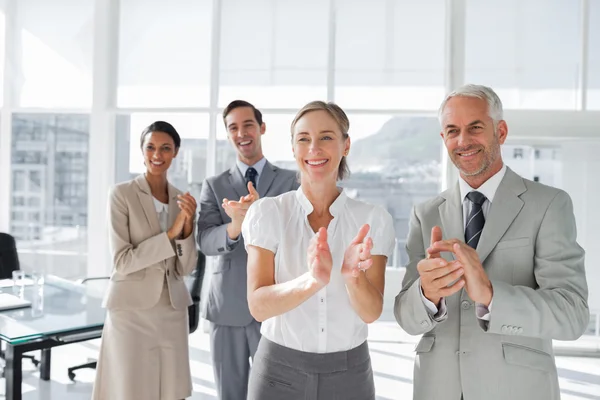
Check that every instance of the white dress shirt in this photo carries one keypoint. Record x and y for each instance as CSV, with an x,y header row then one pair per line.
x,y
162,211
326,322
488,189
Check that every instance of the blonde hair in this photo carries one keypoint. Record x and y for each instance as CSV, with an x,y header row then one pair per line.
x,y
341,119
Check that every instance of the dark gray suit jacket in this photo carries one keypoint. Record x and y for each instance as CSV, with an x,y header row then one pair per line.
x,y
227,302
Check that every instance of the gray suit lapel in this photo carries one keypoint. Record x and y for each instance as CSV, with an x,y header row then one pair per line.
x,y
237,181
505,208
451,216
266,179
147,202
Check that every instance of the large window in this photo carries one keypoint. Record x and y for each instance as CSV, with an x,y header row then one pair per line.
x,y
389,54
54,42
273,52
594,57
164,53
49,192
516,47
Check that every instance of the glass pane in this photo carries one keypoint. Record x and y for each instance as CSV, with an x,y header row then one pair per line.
x,y
49,197
55,47
273,53
593,98
2,43
570,165
527,50
389,54
394,162
187,171
164,53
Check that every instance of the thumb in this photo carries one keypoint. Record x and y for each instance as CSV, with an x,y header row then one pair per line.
x,y
436,236
362,233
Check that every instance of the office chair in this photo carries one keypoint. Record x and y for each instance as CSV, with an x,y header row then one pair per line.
x,y
194,285
9,262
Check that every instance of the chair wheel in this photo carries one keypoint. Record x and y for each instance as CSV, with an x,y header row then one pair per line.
x,y
72,376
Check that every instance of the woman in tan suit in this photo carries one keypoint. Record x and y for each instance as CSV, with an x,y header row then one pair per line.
x,y
144,351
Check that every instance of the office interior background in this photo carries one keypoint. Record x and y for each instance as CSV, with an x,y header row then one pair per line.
x,y
80,79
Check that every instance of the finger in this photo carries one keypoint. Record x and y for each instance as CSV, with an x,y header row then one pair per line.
x,y
431,264
444,245
443,271
322,235
449,291
252,190
460,251
362,233
436,236
365,265
448,279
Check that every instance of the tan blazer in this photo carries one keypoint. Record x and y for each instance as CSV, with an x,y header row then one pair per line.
x,y
142,254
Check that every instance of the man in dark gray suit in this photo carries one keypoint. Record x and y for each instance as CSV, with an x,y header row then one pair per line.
x,y
234,334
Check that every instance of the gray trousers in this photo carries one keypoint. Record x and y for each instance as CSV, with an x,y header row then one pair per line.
x,y
231,348
280,373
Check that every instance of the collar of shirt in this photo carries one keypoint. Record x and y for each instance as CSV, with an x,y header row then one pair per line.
x,y
335,209
259,166
160,207
488,189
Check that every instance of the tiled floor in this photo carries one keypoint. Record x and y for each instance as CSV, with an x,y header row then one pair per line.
x,y
391,352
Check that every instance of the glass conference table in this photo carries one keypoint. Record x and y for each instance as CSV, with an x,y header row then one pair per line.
x,y
61,312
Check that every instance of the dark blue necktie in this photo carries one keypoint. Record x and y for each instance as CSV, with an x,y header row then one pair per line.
x,y
251,175
475,220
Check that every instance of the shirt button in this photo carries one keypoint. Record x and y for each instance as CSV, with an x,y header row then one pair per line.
x,y
322,300
322,329
465,305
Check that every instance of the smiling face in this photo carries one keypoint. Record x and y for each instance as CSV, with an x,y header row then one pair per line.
x,y
319,145
472,140
159,151
245,134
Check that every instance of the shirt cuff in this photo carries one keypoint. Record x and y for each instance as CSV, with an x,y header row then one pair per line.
x,y
432,309
230,242
482,312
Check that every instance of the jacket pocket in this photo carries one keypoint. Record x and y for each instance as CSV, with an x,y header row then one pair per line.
x,y
512,243
527,357
425,344
136,276
222,266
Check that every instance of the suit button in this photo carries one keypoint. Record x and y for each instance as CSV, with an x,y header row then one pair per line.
x,y
424,323
504,329
519,330
465,305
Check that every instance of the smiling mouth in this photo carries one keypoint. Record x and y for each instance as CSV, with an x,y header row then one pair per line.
x,y
316,163
157,163
245,143
468,153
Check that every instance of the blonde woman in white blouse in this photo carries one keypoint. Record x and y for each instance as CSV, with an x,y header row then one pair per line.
x,y
316,267
144,352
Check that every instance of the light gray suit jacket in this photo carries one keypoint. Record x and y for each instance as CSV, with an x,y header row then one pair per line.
x,y
227,303
529,251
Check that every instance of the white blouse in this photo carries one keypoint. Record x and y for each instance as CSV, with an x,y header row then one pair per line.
x,y
162,211
326,322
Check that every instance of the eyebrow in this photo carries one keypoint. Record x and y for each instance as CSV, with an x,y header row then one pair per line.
x,y
476,122
321,132
162,144
243,122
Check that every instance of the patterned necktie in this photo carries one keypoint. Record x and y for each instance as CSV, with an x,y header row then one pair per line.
x,y
251,175
475,220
